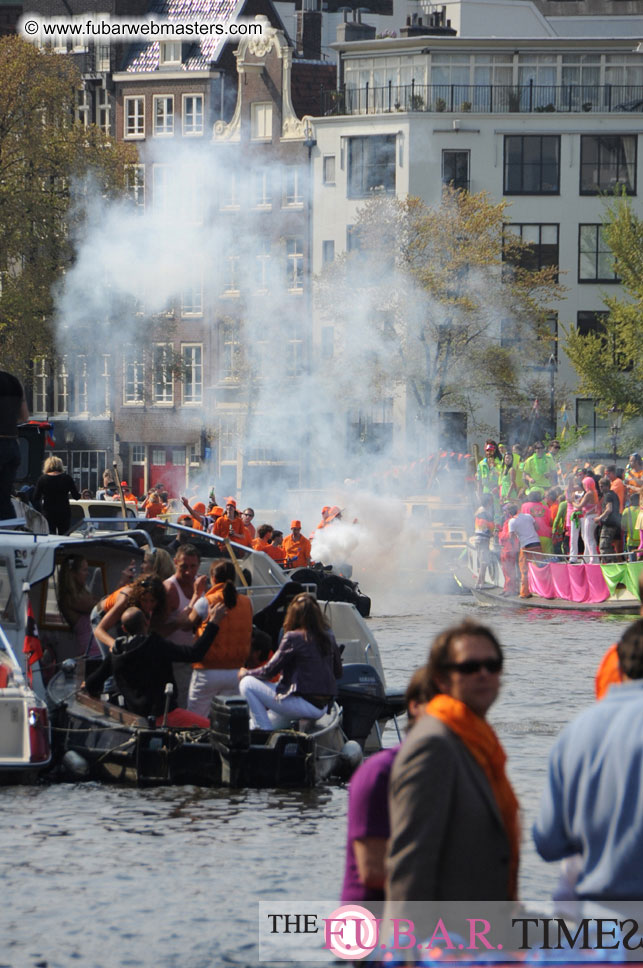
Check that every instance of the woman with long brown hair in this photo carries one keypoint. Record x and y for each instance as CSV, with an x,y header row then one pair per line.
x,y
310,665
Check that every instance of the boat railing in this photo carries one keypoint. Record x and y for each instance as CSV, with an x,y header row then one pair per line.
x,y
547,557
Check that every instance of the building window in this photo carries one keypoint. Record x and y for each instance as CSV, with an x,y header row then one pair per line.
x,y
170,53
105,383
192,299
138,453
192,114
532,165
607,164
591,322
371,165
329,169
328,251
104,111
230,358
163,116
595,259
40,380
230,194
81,111
135,185
261,121
231,282
159,458
133,377
263,188
192,360
103,58
263,265
455,169
134,117
597,425
163,374
178,456
293,186
294,361
82,399
542,241
353,238
228,439
87,468
295,265
61,386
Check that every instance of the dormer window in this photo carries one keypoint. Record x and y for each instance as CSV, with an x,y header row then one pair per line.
x,y
170,53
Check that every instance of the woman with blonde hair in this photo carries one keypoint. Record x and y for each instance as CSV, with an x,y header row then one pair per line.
x,y
51,495
310,665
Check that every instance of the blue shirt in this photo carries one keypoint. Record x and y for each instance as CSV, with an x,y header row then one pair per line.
x,y
593,802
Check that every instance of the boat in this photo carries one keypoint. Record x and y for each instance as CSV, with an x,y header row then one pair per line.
x,y
99,740
555,583
25,739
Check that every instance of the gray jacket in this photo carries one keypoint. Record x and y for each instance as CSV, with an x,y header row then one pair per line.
x,y
448,841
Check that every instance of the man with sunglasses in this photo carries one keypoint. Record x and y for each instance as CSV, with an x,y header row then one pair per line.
x,y
539,470
454,816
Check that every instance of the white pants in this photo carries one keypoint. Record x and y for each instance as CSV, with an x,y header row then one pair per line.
x,y
588,530
206,683
269,712
574,535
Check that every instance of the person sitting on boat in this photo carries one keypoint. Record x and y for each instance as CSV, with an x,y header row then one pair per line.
x,y
247,517
146,593
262,541
217,673
586,508
141,664
75,602
297,547
523,526
610,540
310,665
484,526
275,548
542,519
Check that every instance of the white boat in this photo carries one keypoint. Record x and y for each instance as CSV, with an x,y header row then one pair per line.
x,y
25,741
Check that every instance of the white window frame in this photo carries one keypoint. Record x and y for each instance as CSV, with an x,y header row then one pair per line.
x,y
138,454
192,363
135,185
61,386
192,298
82,106
82,385
261,121
262,184
170,53
295,264
162,375
264,256
103,110
192,128
134,120
325,173
231,286
134,377
106,380
163,115
40,381
293,196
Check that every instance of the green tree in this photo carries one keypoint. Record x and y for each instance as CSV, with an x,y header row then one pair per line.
x,y
609,360
43,153
442,302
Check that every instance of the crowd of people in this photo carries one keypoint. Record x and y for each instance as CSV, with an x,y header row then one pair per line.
x,y
531,508
436,818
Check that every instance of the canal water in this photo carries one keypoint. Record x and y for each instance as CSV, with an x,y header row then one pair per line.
x,y
106,877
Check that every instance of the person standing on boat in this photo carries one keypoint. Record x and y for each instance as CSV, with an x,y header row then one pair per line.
x,y
489,468
297,547
142,664
522,525
230,525
13,410
610,522
454,816
508,483
542,519
592,802
539,470
310,665
182,590
52,495
484,527
586,508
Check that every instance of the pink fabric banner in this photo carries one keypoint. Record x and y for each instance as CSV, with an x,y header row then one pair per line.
x,y
571,583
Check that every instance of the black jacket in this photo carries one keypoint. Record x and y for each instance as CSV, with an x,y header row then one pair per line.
x,y
142,665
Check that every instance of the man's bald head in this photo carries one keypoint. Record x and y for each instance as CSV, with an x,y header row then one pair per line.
x,y
134,621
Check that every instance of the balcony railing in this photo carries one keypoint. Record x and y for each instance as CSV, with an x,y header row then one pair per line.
x,y
484,99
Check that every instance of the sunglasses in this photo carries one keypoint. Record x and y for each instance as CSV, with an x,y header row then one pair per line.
x,y
147,583
555,446
471,666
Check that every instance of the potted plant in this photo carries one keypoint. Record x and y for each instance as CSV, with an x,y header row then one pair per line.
x,y
440,104
465,107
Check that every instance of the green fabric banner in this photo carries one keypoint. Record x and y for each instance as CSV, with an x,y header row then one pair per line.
x,y
623,573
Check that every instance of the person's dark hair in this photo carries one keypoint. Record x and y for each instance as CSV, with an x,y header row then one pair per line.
x,y
605,485
260,647
263,530
552,494
610,469
630,650
224,572
304,613
165,497
187,551
415,691
134,621
147,585
439,651
535,496
511,509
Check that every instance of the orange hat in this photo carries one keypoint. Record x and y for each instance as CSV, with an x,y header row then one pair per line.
x,y
325,508
184,517
200,507
124,484
334,511
215,512
295,524
231,500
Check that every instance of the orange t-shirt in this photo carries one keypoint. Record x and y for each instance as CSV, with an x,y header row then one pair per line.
x,y
234,530
618,487
232,643
297,552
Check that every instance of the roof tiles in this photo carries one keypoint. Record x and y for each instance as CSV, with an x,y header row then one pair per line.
x,y
202,53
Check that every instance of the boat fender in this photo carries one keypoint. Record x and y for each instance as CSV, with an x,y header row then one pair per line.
x,y
350,757
75,764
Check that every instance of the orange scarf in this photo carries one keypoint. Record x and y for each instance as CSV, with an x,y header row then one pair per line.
x,y
483,744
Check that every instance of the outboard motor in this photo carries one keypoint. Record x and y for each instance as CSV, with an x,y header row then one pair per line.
x,y
363,700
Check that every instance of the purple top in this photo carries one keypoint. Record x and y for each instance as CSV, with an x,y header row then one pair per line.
x,y
304,668
367,817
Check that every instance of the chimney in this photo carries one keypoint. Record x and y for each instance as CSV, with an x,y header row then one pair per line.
x,y
309,31
348,31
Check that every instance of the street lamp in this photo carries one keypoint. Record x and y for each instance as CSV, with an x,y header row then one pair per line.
x,y
615,429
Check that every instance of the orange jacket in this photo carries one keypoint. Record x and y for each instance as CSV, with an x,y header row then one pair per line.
x,y
608,672
276,553
260,544
232,643
297,552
